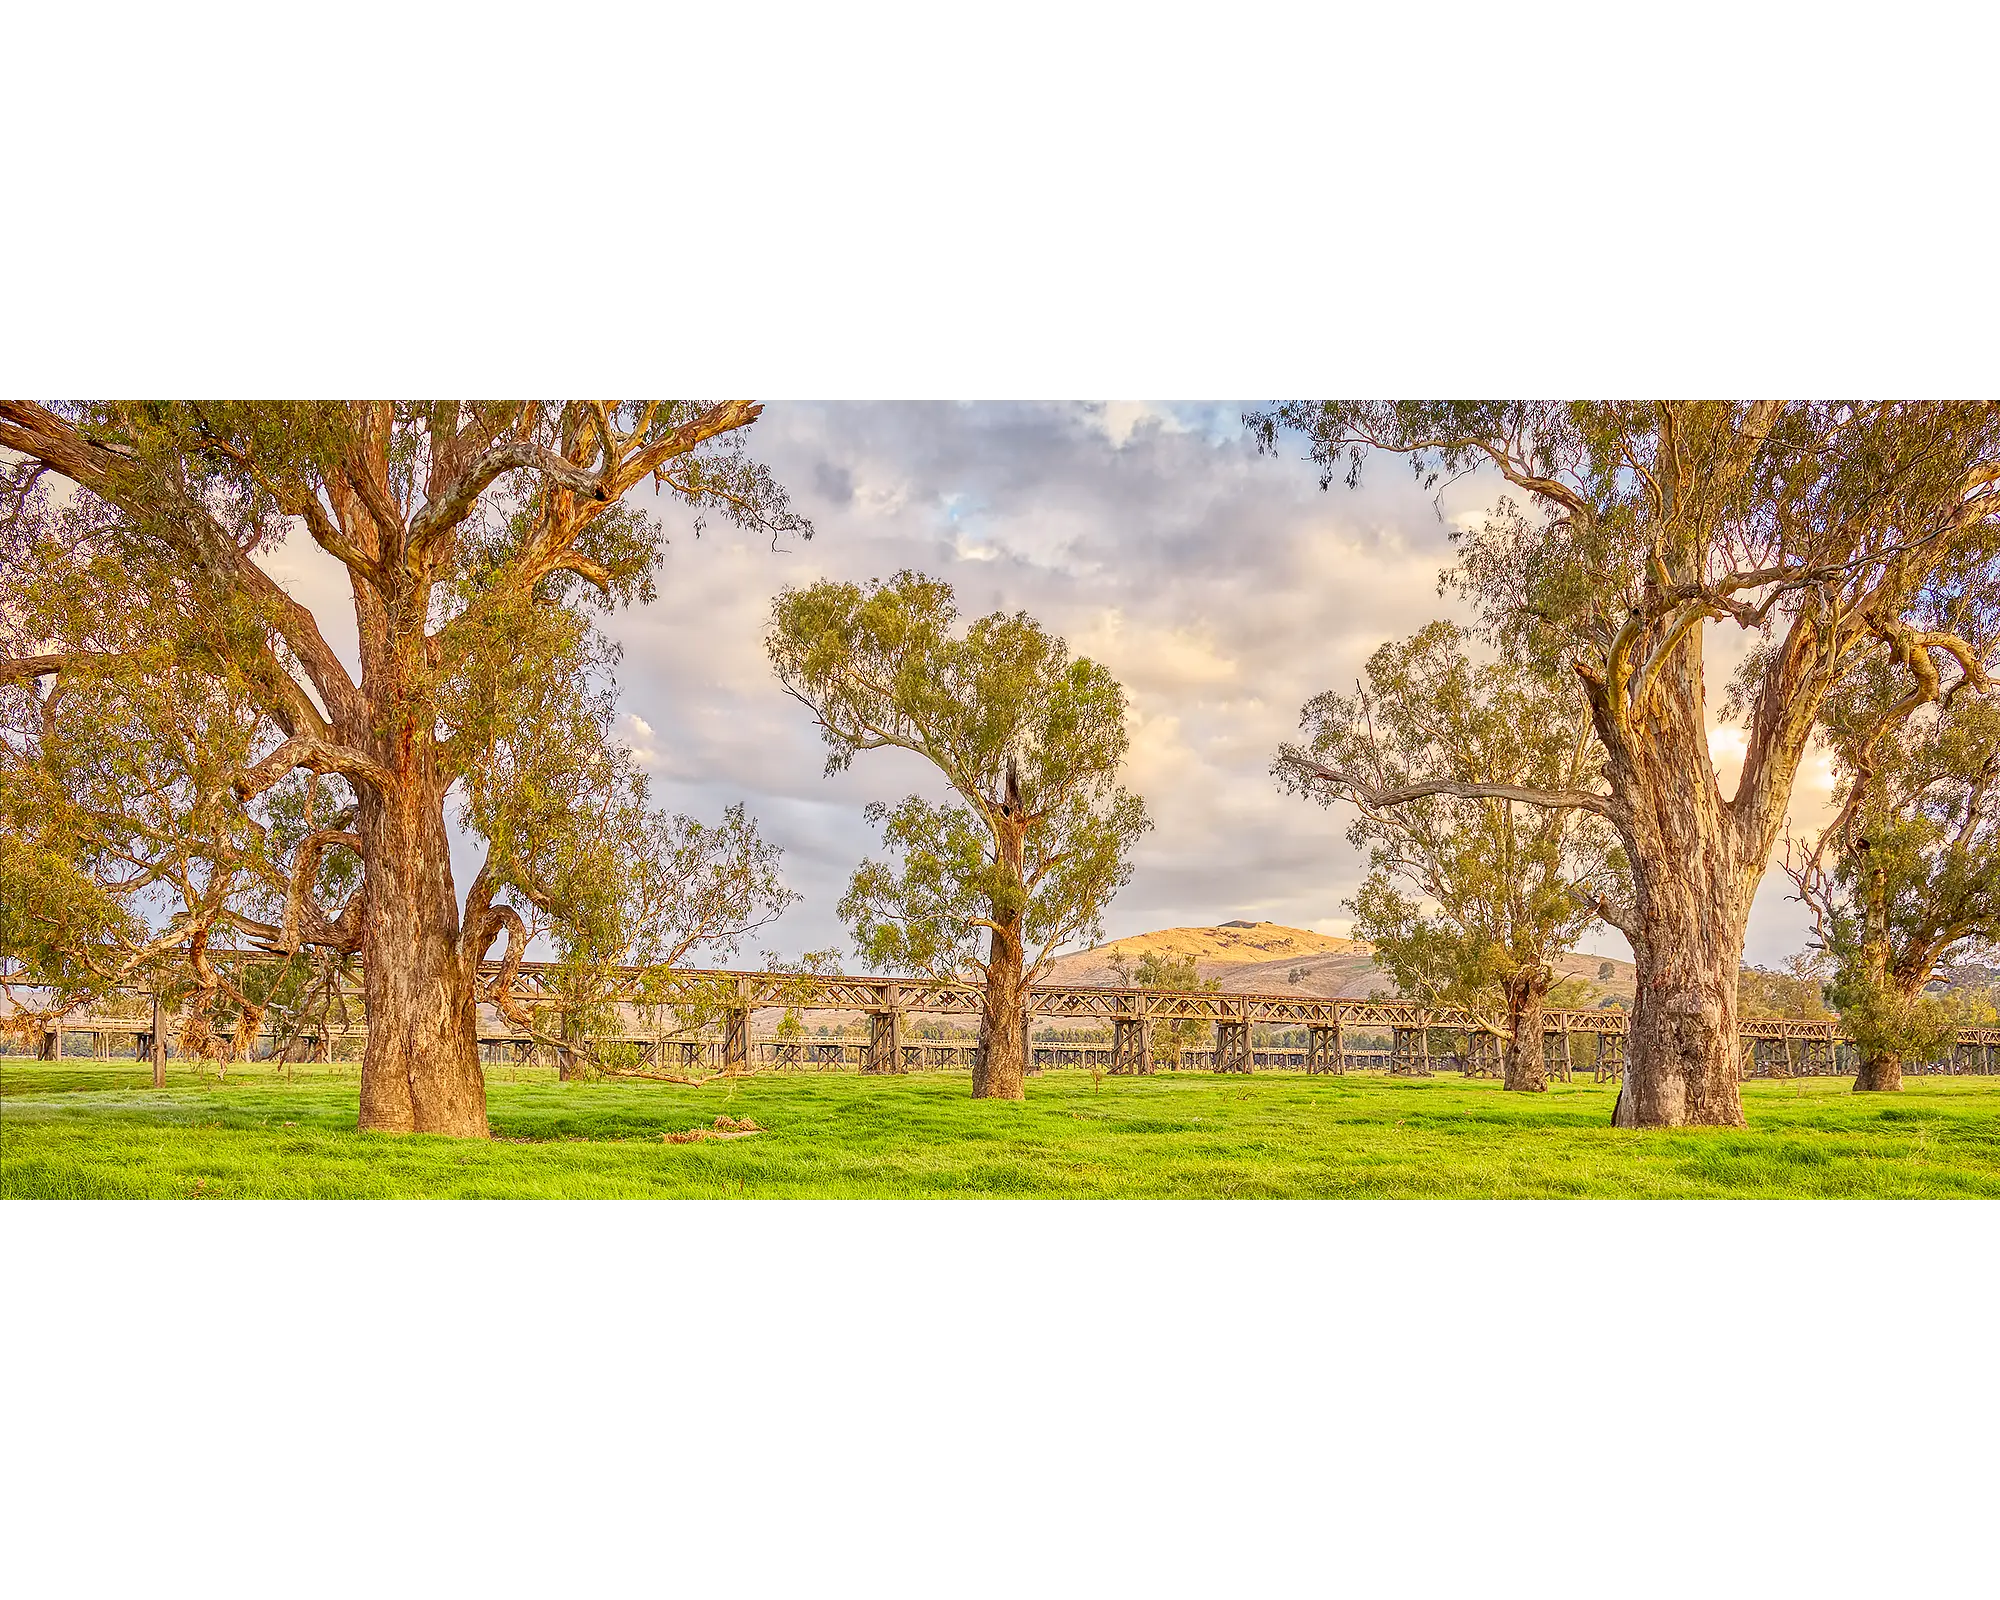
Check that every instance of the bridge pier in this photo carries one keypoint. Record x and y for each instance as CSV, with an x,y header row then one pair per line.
x,y
736,1040
885,1034
1325,1048
1132,1045
1232,1045
1410,1052
1482,1054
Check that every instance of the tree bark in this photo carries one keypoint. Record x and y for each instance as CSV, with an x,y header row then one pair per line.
x,y
1001,1068
420,1071
1696,860
1525,1068
1003,1065
1881,1067
158,1041
1683,1055
1880,1070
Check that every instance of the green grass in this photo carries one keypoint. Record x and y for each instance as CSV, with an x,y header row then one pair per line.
x,y
91,1129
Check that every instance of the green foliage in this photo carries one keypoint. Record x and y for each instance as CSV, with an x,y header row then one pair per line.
x,y
924,917
1030,739
1462,894
1568,994
1884,1021
639,892
115,779
1796,990
1906,878
1829,532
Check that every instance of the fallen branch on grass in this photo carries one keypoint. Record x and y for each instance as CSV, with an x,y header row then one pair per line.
x,y
725,1128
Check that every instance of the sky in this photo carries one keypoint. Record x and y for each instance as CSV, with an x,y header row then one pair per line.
x,y
1223,589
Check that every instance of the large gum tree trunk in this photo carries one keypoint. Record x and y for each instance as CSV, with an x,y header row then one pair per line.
x,y
1881,1070
1683,1055
1001,1068
420,1072
1696,860
1525,1068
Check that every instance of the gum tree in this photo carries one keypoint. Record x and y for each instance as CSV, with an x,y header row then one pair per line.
x,y
1623,529
1029,739
475,539
1502,887
1905,879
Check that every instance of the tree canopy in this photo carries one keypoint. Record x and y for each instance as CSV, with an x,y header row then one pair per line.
x,y
1031,741
1500,887
1905,879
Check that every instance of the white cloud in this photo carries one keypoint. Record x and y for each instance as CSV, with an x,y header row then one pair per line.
x,y
639,737
1118,420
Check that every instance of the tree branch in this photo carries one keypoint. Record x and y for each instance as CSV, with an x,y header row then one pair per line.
x,y
1309,771
314,755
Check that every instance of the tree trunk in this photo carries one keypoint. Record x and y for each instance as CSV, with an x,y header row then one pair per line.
x,y
1696,860
1881,1066
1000,1070
420,1071
158,1040
1525,1067
1683,1055
1880,1070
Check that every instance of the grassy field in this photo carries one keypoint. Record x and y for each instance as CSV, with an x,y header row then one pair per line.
x,y
91,1129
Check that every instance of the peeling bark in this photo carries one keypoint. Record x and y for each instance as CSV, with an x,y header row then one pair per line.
x,y
1696,861
1000,1070
1525,1069
420,1070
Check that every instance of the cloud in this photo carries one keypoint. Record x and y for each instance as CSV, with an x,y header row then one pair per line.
x,y
638,734
1118,420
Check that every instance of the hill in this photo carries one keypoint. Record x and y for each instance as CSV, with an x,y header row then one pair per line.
x,y
1269,958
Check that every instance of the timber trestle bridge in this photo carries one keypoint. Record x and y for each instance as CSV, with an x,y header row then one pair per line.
x,y
1341,1035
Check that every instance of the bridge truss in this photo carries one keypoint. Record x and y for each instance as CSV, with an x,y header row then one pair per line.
x,y
1419,1038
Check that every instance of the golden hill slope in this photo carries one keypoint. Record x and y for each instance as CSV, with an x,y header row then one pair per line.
x,y
1269,958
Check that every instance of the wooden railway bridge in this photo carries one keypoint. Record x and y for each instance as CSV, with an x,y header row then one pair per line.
x,y
1418,1037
